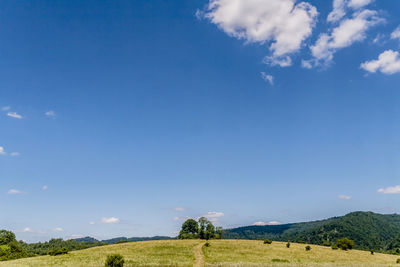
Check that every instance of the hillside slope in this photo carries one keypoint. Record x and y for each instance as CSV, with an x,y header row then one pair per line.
x,y
369,231
219,253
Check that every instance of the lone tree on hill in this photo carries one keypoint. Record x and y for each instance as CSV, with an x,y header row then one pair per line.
x,y
202,229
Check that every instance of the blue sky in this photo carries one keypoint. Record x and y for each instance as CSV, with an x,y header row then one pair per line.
x,y
123,118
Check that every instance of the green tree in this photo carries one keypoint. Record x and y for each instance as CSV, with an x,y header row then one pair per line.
x,y
189,230
202,227
210,231
219,231
345,244
6,237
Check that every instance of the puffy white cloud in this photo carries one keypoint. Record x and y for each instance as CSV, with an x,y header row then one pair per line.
x,y
50,113
345,34
180,209
2,151
58,229
344,197
283,23
307,64
110,220
214,216
268,78
14,192
359,3
14,115
395,34
388,63
267,223
27,230
390,190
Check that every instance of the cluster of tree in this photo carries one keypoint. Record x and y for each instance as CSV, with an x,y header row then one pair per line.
x,y
203,229
10,248
370,231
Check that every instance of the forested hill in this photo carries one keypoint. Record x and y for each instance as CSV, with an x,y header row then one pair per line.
x,y
123,239
369,231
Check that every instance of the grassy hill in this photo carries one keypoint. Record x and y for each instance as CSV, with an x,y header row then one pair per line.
x,y
368,230
219,253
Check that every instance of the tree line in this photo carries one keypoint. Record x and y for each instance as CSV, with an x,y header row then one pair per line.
x,y
202,229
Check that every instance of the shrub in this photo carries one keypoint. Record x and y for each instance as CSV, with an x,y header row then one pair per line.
x,y
301,242
398,251
267,241
207,244
308,248
345,244
335,247
326,244
398,261
372,252
58,251
115,260
279,260
288,244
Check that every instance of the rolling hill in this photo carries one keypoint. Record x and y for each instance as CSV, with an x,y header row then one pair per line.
x,y
369,231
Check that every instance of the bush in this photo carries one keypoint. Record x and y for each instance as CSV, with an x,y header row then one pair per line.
x,y
372,252
326,244
398,261
308,248
267,241
288,244
58,251
115,260
345,244
335,247
207,244
301,242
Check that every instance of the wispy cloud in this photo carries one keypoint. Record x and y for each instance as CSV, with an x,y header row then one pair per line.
x,y
14,192
344,197
214,216
6,108
58,229
390,190
267,223
15,154
181,218
110,220
50,114
45,187
180,209
14,115
268,78
92,223
388,63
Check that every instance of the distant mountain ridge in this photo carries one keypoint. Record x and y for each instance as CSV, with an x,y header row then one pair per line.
x,y
369,231
119,239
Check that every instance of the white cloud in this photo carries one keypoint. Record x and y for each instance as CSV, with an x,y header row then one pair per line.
x,y
14,154
27,230
348,32
14,115
359,3
267,223
92,223
268,78
50,113
388,63
306,64
6,108
2,151
214,216
181,218
45,187
282,23
344,197
395,34
14,192
58,229
110,220
390,190
180,209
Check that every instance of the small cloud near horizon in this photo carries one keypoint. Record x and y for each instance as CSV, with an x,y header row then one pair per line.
x,y
110,220
390,190
344,197
267,223
180,209
14,192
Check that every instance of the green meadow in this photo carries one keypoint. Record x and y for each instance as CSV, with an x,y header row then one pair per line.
x,y
218,253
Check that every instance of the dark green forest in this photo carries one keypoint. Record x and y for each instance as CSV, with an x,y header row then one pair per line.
x,y
370,231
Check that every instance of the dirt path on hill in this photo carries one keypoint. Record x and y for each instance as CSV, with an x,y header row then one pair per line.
x,y
198,255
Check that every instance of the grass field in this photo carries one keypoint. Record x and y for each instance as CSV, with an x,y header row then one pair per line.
x,y
220,253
